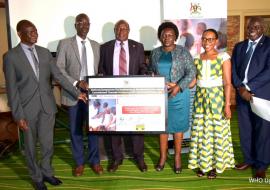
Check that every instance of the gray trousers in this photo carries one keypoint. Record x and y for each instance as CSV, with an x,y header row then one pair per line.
x,y
41,129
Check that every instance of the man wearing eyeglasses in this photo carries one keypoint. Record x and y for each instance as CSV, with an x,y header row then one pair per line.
x,y
251,78
78,57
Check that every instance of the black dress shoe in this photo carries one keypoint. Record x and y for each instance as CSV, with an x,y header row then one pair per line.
x,y
242,166
114,166
39,185
260,174
142,166
52,180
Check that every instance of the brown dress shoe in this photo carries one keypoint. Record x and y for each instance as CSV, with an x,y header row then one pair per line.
x,y
78,171
260,174
114,166
242,166
97,168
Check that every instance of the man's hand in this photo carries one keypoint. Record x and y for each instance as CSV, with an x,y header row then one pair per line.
x,y
245,94
82,84
22,124
83,97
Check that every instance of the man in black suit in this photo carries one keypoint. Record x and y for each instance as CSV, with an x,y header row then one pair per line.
x,y
251,78
28,69
112,55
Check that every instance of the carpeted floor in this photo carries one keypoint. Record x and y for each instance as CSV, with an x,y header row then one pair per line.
x,y
14,175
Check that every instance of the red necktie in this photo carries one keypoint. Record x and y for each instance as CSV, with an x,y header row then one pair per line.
x,y
122,61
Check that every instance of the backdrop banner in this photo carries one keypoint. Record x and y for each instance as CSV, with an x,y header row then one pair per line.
x,y
192,17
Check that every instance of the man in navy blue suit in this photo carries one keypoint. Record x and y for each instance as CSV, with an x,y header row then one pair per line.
x,y
251,78
110,65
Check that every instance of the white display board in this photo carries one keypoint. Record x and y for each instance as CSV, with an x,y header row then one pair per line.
x,y
127,104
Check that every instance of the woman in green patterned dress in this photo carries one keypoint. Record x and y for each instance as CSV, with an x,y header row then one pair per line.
x,y
211,147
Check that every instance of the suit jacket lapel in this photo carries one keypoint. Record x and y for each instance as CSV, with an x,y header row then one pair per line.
x,y
110,55
254,66
76,48
132,55
95,56
25,61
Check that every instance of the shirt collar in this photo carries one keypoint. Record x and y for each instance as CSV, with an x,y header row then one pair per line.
x,y
118,43
26,47
79,39
256,40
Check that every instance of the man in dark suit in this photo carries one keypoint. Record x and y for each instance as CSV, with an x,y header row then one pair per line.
x,y
72,65
251,77
28,69
111,60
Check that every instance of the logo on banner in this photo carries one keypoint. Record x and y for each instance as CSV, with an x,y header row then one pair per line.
x,y
195,9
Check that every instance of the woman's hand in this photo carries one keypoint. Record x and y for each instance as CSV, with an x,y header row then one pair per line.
x,y
227,112
173,89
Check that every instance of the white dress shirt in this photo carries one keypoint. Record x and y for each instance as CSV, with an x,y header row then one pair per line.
x,y
89,55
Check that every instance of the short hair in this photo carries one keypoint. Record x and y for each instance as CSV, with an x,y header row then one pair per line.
x,y
121,22
105,104
211,30
22,24
256,19
96,103
170,25
79,16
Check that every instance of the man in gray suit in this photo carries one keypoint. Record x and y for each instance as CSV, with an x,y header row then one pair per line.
x,y
78,57
28,69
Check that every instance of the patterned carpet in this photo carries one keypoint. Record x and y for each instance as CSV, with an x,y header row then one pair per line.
x,y
14,175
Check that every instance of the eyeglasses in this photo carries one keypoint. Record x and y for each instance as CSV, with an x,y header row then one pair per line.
x,y
210,40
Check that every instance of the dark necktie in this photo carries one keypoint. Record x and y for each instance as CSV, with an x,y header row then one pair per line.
x,y
84,60
35,61
122,61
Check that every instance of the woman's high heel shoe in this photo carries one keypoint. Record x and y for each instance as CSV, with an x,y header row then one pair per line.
x,y
200,173
159,167
177,170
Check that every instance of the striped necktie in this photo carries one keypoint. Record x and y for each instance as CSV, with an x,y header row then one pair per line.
x,y
122,61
